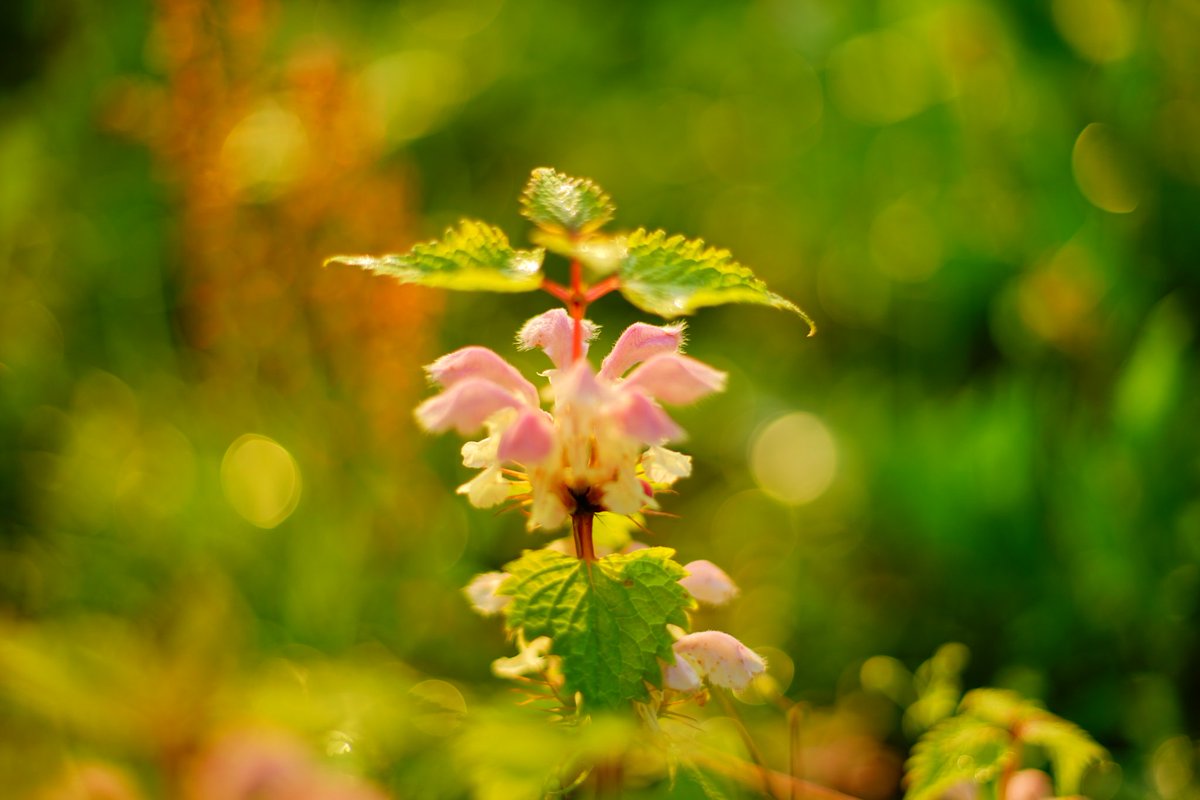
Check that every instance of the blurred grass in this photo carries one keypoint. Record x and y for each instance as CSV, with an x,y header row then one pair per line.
x,y
990,209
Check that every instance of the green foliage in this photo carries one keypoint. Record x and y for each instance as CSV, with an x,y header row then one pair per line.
x,y
986,737
955,750
607,618
671,275
474,257
559,203
1069,747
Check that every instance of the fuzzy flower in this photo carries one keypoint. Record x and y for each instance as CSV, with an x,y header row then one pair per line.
x,y
601,446
708,583
713,656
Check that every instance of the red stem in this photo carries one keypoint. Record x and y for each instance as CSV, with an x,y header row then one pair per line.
x,y
557,290
594,293
581,531
577,304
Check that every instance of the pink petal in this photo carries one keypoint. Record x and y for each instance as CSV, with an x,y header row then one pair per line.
x,y
680,676
577,387
708,583
465,406
637,343
480,362
720,658
644,420
553,332
529,439
1029,784
675,379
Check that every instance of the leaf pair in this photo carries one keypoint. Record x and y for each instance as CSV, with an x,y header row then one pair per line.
x,y
607,618
984,740
664,275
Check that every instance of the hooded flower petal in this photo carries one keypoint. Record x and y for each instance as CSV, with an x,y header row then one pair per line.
x,y
465,406
553,333
681,676
708,583
532,658
675,379
639,342
665,466
481,591
529,439
480,362
643,420
721,659
486,489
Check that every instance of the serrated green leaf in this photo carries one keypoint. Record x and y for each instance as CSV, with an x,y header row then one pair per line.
x,y
1070,749
671,275
1001,707
474,256
557,202
607,618
955,750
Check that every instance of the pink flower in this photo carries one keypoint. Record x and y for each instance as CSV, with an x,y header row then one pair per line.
x,y
602,447
714,656
708,583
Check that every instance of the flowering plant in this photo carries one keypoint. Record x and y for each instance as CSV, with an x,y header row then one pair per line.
x,y
601,621
599,629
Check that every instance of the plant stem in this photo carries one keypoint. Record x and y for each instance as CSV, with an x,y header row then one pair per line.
x,y
581,531
577,305
594,293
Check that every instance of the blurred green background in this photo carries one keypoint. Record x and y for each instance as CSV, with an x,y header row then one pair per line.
x,y
215,507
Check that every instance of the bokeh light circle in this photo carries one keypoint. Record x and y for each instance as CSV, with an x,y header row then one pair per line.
x,y
261,480
794,458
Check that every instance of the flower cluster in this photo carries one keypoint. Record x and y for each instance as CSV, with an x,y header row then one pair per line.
x,y
601,449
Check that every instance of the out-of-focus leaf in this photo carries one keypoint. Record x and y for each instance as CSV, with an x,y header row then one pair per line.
x,y
672,275
956,750
601,254
474,256
1000,707
607,619
1070,749
559,203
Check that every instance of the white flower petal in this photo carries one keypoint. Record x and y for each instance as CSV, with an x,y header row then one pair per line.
x,y
721,659
481,591
487,489
666,466
708,583
532,658
681,676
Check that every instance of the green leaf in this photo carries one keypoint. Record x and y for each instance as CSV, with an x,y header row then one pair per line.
x,y
955,750
601,254
607,619
670,276
474,256
1001,707
559,203
1070,749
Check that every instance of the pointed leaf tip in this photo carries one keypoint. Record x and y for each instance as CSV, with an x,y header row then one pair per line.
x,y
560,203
474,256
672,275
